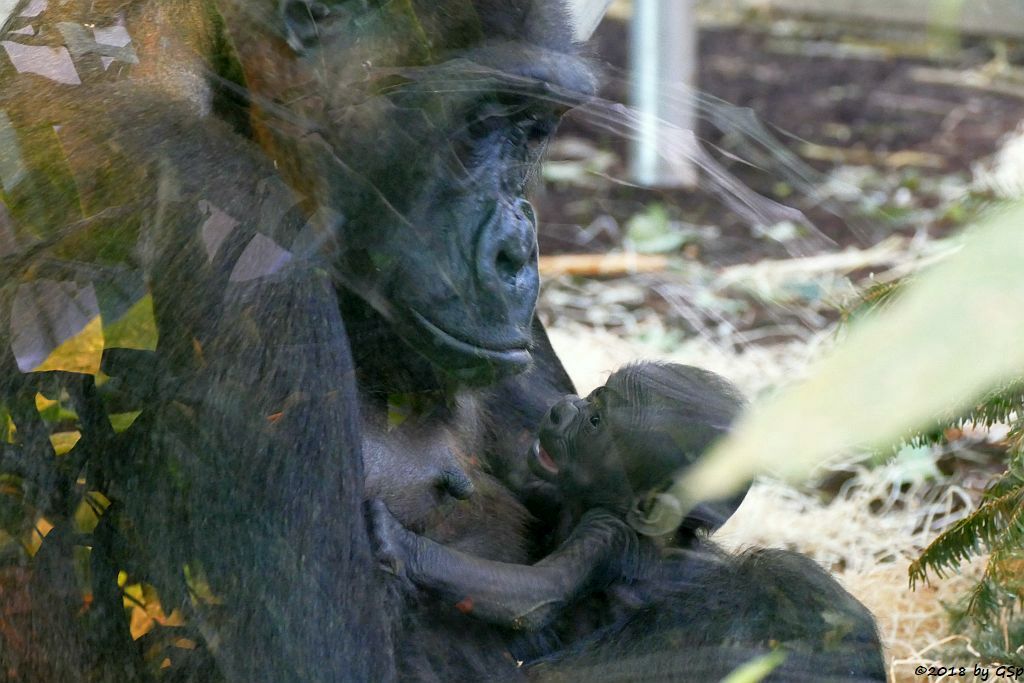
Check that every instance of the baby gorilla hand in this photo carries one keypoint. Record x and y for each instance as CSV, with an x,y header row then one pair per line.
x,y
387,537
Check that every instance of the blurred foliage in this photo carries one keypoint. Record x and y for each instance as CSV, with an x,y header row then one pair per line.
x,y
877,296
900,368
757,669
58,525
996,527
938,351
651,232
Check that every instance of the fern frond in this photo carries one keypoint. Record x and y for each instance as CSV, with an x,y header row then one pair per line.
x,y
1006,483
1002,579
984,600
963,540
1000,405
876,297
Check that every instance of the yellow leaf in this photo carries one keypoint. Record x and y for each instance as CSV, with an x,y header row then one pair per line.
x,y
51,410
43,403
133,595
85,516
141,623
8,427
136,329
122,421
64,441
80,353
34,539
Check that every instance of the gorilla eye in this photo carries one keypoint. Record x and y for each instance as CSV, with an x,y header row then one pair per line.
x,y
486,121
303,18
536,129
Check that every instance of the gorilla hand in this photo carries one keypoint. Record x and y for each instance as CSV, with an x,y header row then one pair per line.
x,y
389,540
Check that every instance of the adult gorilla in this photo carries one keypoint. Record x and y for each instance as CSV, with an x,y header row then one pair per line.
x,y
221,176
205,205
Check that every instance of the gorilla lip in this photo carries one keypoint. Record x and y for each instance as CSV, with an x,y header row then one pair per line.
x,y
543,459
516,353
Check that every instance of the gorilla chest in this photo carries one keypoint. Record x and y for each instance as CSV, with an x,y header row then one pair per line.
x,y
418,467
429,474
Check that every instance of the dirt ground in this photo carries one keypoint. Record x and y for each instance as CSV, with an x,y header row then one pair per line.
x,y
840,96
909,136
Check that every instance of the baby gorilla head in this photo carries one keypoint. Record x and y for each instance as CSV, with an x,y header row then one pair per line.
x,y
629,437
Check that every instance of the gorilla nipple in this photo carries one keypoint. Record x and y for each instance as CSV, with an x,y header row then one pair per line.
x,y
455,483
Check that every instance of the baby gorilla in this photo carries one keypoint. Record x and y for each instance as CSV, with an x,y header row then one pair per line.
x,y
626,440
665,606
607,454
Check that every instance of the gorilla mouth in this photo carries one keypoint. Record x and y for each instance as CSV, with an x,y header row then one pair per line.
x,y
543,459
515,353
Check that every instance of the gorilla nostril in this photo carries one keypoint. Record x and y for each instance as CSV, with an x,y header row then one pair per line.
x,y
508,264
509,245
561,412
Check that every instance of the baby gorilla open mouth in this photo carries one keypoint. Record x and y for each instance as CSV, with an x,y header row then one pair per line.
x,y
542,464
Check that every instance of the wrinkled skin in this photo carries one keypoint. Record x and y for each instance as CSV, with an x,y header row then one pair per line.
x,y
236,238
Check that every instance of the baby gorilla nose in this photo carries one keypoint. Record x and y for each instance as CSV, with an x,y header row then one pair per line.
x,y
563,412
455,483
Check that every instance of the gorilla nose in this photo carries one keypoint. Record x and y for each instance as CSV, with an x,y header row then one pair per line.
x,y
562,412
509,245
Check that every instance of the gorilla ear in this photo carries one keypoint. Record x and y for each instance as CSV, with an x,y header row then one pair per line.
x,y
300,18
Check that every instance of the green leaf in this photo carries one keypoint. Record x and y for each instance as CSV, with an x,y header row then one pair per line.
x,y
651,232
757,669
899,369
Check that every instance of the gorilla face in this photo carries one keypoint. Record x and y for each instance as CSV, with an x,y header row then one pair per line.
x,y
576,450
415,160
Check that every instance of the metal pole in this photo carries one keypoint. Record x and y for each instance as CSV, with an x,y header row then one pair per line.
x,y
663,56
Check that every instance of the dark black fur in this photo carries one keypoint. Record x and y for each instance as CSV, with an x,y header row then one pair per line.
x,y
701,613
617,598
626,440
327,213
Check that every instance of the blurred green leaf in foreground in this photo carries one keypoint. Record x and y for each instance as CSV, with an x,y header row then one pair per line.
x,y
955,332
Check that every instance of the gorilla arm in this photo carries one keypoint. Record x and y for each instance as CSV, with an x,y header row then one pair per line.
x,y
600,550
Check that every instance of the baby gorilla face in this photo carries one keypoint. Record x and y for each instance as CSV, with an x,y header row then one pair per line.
x,y
577,453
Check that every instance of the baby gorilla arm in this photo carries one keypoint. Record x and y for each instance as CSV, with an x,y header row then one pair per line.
x,y
601,549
